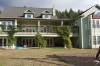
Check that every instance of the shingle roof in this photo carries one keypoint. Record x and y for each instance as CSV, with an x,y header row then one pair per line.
x,y
17,12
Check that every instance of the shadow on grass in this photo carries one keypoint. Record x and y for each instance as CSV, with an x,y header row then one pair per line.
x,y
67,60
42,60
76,60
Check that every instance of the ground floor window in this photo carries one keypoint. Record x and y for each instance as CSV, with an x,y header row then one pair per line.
x,y
96,40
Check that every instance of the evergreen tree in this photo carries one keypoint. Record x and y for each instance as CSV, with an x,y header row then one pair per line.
x,y
71,14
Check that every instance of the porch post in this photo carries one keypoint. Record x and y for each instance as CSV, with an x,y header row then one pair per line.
x,y
38,25
6,42
2,42
15,23
62,23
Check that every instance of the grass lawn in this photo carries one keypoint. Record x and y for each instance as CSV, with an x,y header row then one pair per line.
x,y
48,57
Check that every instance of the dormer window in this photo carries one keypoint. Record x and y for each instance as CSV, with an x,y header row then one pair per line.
x,y
28,14
46,15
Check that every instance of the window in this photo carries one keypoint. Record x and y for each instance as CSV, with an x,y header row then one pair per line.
x,y
98,39
96,23
6,24
94,40
46,16
28,15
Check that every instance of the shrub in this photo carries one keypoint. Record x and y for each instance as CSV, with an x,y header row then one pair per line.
x,y
41,42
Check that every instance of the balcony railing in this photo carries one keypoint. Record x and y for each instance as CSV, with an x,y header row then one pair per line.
x,y
44,29
32,30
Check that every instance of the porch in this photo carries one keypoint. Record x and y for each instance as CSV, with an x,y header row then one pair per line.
x,y
27,42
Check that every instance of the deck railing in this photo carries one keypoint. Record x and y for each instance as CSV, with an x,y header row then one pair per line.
x,y
31,30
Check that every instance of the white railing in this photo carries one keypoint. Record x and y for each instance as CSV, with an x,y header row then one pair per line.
x,y
29,34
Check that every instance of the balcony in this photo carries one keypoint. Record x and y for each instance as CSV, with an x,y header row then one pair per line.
x,y
30,34
47,31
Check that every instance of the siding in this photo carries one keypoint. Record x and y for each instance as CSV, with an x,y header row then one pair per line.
x,y
86,32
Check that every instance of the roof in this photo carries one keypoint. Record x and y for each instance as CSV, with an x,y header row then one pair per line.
x,y
91,10
16,12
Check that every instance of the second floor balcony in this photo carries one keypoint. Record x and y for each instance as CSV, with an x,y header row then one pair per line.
x,y
49,31
43,29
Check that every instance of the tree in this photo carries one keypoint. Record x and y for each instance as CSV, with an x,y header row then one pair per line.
x,y
11,38
71,14
42,43
64,33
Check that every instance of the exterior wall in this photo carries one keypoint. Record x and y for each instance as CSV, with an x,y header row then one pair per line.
x,y
78,23
95,31
40,24
86,32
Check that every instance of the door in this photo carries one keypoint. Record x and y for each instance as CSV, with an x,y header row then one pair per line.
x,y
0,42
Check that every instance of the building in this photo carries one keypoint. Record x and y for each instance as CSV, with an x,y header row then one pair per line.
x,y
89,28
30,21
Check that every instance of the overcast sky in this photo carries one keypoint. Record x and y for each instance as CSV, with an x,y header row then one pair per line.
x,y
58,4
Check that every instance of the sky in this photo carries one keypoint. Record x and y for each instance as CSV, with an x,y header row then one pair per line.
x,y
57,4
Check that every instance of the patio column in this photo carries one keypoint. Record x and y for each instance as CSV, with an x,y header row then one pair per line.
x,y
62,23
38,25
2,42
15,23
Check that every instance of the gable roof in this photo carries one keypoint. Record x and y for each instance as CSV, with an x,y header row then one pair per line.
x,y
17,12
91,10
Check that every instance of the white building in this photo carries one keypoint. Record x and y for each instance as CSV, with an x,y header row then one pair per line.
x,y
30,21
89,28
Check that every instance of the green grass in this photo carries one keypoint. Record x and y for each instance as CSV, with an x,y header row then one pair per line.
x,y
44,56
2,62
56,49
